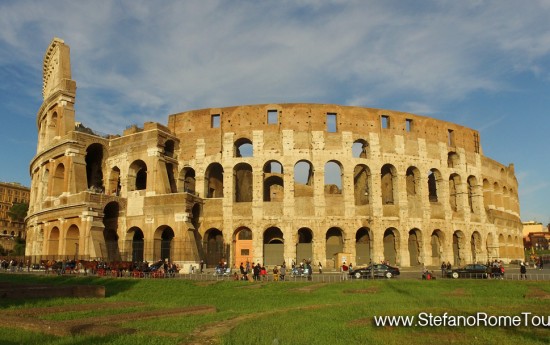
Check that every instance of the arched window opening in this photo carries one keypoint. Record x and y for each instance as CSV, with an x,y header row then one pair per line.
x,y
433,178
214,181
360,148
243,182
137,176
59,180
273,181
94,172
437,247
114,182
110,223
333,178
388,180
169,148
362,184
454,186
391,246
244,148
303,179
415,247
186,180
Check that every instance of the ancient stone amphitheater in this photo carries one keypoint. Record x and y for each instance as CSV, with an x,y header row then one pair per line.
x,y
266,183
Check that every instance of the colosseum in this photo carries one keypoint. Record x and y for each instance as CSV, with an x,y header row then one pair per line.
x,y
266,183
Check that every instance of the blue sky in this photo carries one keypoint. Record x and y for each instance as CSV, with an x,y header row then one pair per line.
x,y
480,64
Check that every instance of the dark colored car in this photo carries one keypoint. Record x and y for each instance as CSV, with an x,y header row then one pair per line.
x,y
470,271
380,271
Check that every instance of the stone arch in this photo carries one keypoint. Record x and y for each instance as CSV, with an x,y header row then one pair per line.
x,y
476,246
186,180
53,130
454,192
273,240
438,243
110,231
242,174
59,180
244,251
362,184
303,179
164,243
213,246
72,241
363,246
416,256
94,167
213,183
43,187
391,246
244,148
304,247
472,182
459,244
114,181
434,185
53,242
412,176
169,148
360,149
273,181
502,252
453,160
137,176
334,243
135,244
388,184
333,177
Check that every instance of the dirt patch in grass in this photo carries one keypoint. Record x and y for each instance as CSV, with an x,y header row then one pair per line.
x,y
456,293
205,283
310,288
360,322
369,290
101,325
211,333
537,293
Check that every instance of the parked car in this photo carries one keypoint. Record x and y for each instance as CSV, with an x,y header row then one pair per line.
x,y
380,271
470,271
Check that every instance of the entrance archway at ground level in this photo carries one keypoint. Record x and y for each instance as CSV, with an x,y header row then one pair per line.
x,y
135,244
213,247
459,244
242,239
391,246
53,242
164,244
334,244
72,242
273,246
415,248
437,247
363,246
304,247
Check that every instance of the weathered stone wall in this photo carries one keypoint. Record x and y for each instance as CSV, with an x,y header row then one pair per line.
x,y
318,180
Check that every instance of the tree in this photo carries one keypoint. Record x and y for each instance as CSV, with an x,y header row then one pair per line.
x,y
18,212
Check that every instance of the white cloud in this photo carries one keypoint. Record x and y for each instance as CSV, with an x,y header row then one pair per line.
x,y
140,58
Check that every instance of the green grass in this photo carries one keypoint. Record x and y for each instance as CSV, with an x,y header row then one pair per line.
x,y
294,313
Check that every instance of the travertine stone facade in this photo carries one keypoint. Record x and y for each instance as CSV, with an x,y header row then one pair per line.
x,y
267,183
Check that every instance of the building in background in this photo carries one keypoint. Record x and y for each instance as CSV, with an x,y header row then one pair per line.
x,y
536,236
11,229
266,183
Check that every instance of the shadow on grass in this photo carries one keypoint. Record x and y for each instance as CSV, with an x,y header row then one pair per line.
x,y
113,286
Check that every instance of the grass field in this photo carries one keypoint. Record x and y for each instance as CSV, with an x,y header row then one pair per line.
x,y
178,311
